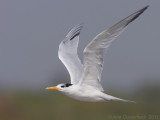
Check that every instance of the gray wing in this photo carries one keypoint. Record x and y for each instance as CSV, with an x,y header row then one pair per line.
x,y
68,53
95,50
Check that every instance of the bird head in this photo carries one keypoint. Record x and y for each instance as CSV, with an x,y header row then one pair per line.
x,y
59,87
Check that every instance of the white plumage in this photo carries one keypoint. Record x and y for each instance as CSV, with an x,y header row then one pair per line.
x,y
85,78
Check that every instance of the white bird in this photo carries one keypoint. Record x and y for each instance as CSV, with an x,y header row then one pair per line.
x,y
85,78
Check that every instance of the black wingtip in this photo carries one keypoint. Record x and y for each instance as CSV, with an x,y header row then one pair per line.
x,y
143,9
137,14
75,31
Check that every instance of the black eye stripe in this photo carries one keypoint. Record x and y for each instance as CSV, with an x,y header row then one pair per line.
x,y
68,84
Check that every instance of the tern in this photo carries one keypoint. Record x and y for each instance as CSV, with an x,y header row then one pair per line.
x,y
85,78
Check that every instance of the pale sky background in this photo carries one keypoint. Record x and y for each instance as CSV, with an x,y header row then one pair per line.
x,y
31,30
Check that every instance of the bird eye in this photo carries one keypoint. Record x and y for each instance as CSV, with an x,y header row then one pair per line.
x,y
62,86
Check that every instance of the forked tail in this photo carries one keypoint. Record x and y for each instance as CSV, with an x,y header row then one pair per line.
x,y
112,98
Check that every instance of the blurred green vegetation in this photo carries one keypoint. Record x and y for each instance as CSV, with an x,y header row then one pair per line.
x,y
52,105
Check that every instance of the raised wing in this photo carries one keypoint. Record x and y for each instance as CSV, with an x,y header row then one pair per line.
x,y
94,51
68,53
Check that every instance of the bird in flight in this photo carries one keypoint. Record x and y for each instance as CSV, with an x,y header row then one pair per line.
x,y
85,78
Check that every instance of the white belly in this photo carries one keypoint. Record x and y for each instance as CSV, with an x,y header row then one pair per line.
x,y
85,94
87,98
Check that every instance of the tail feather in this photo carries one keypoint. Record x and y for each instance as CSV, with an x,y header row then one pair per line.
x,y
112,98
122,100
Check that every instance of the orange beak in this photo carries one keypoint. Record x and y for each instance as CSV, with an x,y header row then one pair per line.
x,y
52,88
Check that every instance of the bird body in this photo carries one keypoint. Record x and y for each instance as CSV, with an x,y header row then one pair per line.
x,y
85,78
89,94
84,93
